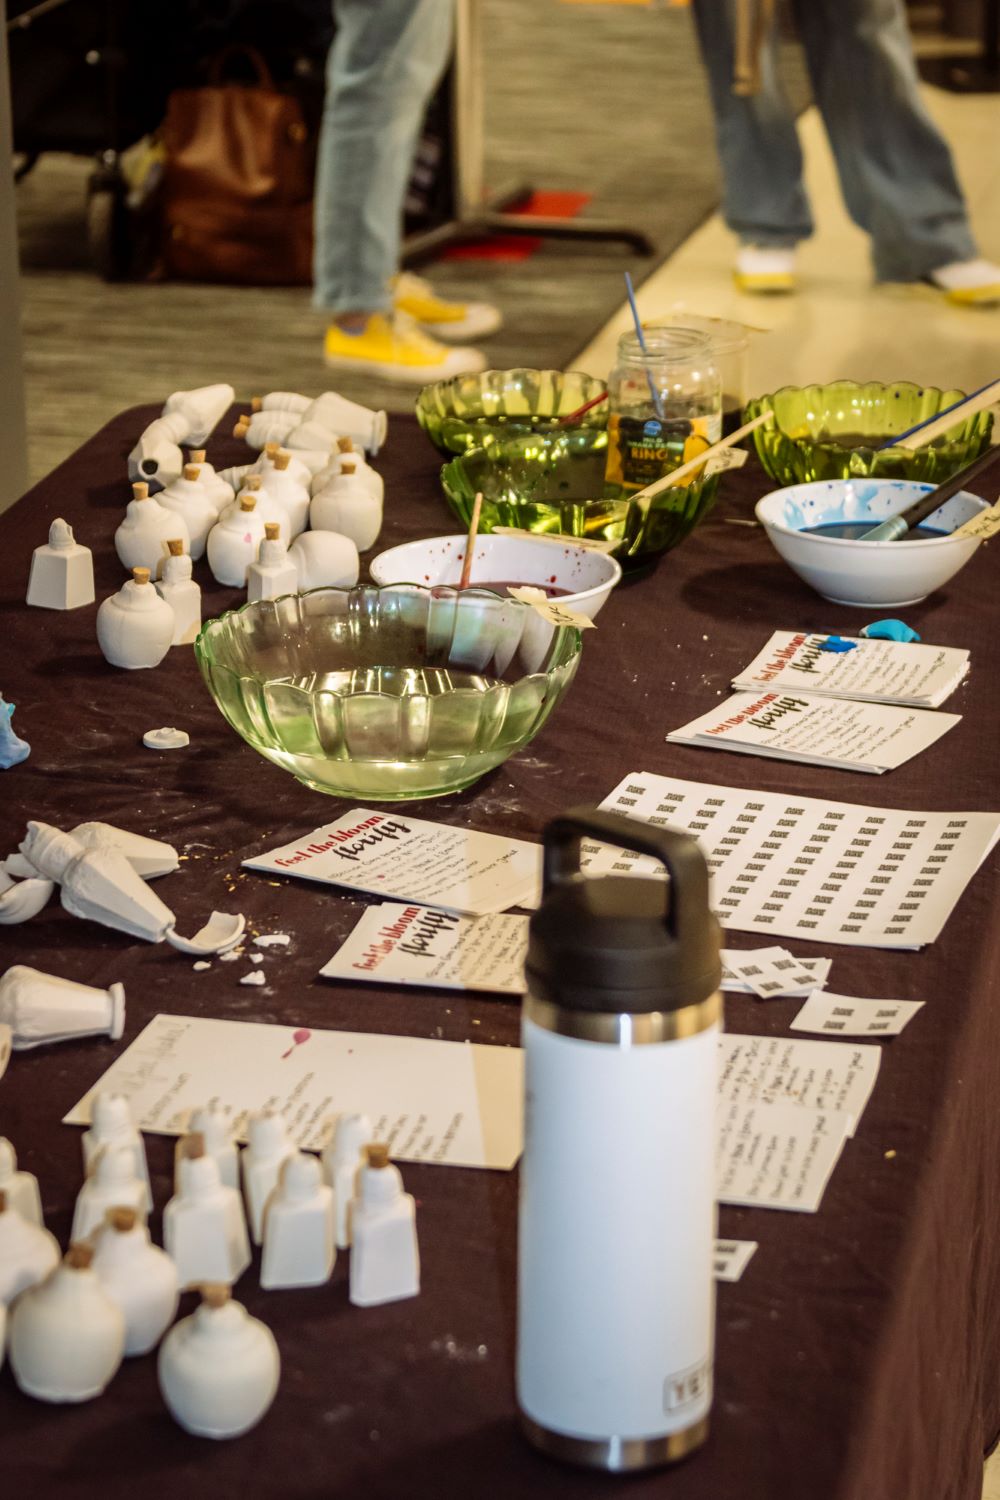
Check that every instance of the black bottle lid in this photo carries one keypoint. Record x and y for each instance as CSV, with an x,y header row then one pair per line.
x,y
622,943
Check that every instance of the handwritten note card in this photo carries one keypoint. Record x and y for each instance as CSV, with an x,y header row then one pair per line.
x,y
398,944
810,1075
776,1155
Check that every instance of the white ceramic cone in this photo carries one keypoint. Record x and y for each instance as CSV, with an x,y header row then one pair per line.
x,y
24,899
42,1008
218,1369
204,1231
112,1183
66,1335
299,1245
148,857
267,1150
202,409
365,427
139,1277
325,558
97,884
27,1252
178,589
21,1187
62,571
385,1261
111,1125
342,1160
135,627
212,1123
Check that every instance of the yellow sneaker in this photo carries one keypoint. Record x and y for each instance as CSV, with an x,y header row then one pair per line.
x,y
398,350
445,319
765,268
969,283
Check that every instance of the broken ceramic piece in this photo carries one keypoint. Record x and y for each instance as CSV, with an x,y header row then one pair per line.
x,y
343,1158
24,899
325,558
148,857
385,1261
202,409
62,571
67,1337
111,1126
299,1245
218,1369
272,940
204,1229
97,884
268,1148
27,1251
12,748
138,1276
178,589
221,932
167,738
111,1183
21,1187
135,627
41,1008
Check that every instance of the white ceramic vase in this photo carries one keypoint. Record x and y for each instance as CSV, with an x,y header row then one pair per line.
x,y
135,626
139,1278
62,571
111,1183
41,1008
385,1261
66,1335
178,589
21,1188
218,489
234,541
267,1150
347,506
299,1245
142,537
288,493
188,498
204,1230
97,884
218,1369
27,1252
342,1160
273,574
111,1125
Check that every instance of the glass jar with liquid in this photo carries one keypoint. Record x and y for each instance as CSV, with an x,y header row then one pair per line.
x,y
664,404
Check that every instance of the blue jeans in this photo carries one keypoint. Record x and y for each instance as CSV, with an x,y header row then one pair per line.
x,y
386,60
895,169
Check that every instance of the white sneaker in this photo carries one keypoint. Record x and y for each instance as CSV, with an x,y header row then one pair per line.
x,y
398,350
765,268
439,315
970,283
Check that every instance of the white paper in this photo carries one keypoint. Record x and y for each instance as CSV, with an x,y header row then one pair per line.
x,y
776,1155
732,1258
451,1103
797,976
839,732
843,1015
409,859
876,671
398,944
809,1075
805,867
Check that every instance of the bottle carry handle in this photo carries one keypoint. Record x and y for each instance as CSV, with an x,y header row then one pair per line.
x,y
679,852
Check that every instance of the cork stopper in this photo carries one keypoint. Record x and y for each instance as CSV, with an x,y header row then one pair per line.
x,y
197,455
176,547
122,1219
140,575
345,445
256,404
79,1256
191,472
377,1155
140,491
214,1294
248,502
271,449
347,466
241,429
193,1146
272,530
252,482
281,460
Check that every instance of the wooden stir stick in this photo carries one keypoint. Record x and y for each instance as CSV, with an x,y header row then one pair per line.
x,y
470,541
676,475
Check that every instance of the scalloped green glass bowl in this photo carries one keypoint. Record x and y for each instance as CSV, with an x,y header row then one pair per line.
x,y
555,482
835,432
387,694
470,411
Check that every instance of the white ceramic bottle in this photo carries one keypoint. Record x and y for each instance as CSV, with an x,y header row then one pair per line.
x,y
135,626
21,1188
347,506
111,1124
267,1150
97,884
286,491
265,427
234,541
385,1261
212,1123
348,419
372,480
204,1230
295,468
343,1157
281,401
272,574
27,1252
62,571
298,1229
156,457
201,409
178,589
325,558
111,1183
268,508
66,1335
188,498
141,539
219,491
218,1369
138,1276
148,857
41,1008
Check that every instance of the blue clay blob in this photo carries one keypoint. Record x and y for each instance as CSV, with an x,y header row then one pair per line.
x,y
12,749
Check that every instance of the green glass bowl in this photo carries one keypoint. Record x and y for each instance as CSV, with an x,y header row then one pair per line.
x,y
387,694
555,482
470,411
836,431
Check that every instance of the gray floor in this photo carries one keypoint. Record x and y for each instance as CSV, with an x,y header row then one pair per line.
x,y
608,100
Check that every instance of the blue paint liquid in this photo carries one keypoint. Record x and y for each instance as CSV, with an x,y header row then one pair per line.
x,y
850,531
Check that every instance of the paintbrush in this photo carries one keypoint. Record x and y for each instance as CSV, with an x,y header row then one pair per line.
x,y
896,527
653,391
470,542
934,427
581,411
676,475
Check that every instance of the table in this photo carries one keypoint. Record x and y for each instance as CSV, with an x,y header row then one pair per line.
x,y
859,1357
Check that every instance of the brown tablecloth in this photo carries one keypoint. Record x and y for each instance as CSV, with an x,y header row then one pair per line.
x,y
859,1357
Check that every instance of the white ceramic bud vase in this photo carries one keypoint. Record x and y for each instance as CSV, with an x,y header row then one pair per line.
x,y
139,1278
324,558
21,1188
218,1369
66,1335
178,589
204,1230
27,1252
234,541
267,1150
112,1183
266,427
372,480
272,574
141,539
342,1160
111,1124
348,419
295,468
287,492
385,1262
217,488
62,571
281,401
347,506
299,1245
135,626
41,1008
188,498
213,1124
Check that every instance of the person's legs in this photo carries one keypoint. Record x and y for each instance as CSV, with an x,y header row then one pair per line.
x,y
896,171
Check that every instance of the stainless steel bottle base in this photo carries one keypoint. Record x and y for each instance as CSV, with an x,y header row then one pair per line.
x,y
616,1455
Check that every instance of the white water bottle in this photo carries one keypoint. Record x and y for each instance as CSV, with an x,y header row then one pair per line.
x,y
617,1216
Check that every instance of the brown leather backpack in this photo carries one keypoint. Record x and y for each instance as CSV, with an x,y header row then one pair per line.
x,y
238,181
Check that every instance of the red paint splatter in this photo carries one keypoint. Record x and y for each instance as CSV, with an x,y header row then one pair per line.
x,y
298,1040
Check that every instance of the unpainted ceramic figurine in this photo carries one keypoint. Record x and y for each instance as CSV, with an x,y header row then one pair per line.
x,y
135,627
21,1187
148,857
41,1008
218,1369
27,1252
111,1125
272,575
97,884
112,1183
385,1261
67,1337
299,1245
138,1276
268,1148
204,1230
62,571
12,749
343,1157
180,591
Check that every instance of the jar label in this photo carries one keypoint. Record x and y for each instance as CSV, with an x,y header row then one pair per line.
x,y
641,450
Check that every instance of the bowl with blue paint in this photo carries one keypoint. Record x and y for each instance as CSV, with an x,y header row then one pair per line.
x,y
817,529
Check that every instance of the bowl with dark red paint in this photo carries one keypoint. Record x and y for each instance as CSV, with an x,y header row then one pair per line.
x,y
580,577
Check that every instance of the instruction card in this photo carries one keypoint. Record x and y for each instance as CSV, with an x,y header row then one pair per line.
x,y
455,1104
398,944
776,1155
838,732
806,867
810,1075
392,854
876,671
841,1015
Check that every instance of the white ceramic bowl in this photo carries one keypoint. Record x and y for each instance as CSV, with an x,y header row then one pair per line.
x,y
883,575
588,576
